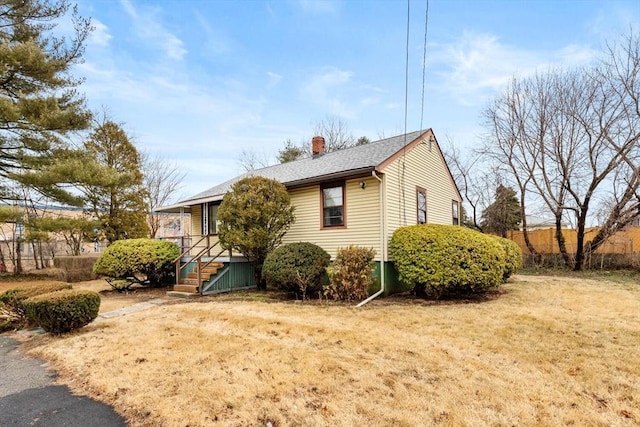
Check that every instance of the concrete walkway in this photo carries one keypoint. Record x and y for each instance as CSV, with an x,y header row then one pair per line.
x,y
132,308
28,396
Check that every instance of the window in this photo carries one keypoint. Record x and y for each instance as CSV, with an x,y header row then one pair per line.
x,y
455,206
421,201
213,219
333,205
209,218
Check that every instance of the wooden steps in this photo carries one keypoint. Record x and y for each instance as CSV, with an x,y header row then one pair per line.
x,y
190,285
194,289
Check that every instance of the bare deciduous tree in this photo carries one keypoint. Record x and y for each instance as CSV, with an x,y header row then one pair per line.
x,y
572,138
250,160
162,179
475,179
336,133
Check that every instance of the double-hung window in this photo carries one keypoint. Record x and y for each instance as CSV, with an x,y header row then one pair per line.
x,y
333,205
455,212
209,218
421,202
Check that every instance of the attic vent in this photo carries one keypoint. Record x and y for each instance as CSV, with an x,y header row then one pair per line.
x,y
317,146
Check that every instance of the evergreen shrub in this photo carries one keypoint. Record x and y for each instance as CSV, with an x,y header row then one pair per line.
x,y
446,259
63,311
351,274
75,268
296,267
143,261
13,298
513,254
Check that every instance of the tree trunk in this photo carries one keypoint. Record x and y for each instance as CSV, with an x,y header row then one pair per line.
x,y
580,253
18,258
3,266
261,284
562,243
34,249
532,250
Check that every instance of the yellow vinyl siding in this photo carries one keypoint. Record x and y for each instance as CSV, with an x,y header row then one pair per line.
x,y
418,167
196,220
196,225
362,216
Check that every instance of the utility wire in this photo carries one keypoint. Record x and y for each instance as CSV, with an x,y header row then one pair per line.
x,y
406,108
424,60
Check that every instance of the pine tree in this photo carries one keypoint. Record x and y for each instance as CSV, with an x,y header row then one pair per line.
x,y
117,195
39,104
503,214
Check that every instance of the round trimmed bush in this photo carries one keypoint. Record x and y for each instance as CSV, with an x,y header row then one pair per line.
x,y
439,259
144,261
296,267
63,311
13,298
12,314
513,254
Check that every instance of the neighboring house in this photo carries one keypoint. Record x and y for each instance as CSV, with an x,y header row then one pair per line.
x,y
357,196
535,222
45,249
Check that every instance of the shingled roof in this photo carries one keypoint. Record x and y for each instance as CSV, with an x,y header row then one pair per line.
x,y
336,164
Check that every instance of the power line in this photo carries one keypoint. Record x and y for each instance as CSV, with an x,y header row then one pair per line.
x,y
424,60
406,108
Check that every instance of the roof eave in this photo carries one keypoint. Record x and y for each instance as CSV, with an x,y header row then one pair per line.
x,y
185,205
352,173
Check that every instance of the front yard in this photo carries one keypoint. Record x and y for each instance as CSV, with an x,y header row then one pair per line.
x,y
547,351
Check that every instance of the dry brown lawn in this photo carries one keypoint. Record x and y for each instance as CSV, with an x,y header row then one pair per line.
x,y
546,351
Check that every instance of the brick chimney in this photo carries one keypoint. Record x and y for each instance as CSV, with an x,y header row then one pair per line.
x,y
317,146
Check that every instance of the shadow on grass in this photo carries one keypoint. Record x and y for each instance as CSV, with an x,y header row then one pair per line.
x,y
618,276
405,298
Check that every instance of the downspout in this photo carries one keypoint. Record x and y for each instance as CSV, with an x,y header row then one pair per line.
x,y
383,246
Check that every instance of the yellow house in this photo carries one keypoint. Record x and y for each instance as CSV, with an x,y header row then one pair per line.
x,y
356,196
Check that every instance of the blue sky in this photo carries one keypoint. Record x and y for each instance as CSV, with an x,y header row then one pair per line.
x,y
197,82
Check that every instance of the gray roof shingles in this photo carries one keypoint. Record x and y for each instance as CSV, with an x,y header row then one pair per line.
x,y
351,159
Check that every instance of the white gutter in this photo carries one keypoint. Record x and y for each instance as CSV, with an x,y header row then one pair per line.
x,y
383,246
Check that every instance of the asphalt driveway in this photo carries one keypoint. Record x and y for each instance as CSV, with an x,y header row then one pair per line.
x,y
28,396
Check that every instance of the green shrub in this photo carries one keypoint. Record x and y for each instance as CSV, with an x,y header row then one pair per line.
x,y
351,274
439,259
296,267
75,268
143,261
513,253
63,311
13,298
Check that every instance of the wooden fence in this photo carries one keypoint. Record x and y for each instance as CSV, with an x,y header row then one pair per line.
x,y
620,250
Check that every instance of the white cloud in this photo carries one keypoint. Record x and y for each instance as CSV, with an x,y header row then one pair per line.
x,y
318,6
149,28
574,55
128,7
173,46
325,89
214,40
477,65
100,36
337,92
274,79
